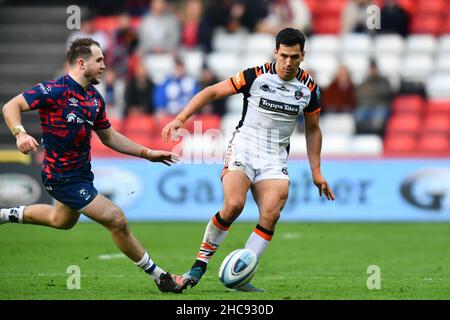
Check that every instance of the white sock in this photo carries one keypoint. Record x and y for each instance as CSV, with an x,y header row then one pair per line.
x,y
147,264
259,240
14,215
215,233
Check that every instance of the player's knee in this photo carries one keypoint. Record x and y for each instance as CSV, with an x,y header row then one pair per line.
x,y
66,225
271,217
118,222
233,207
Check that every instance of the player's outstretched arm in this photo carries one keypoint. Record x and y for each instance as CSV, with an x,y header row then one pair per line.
x,y
313,136
122,144
217,91
12,115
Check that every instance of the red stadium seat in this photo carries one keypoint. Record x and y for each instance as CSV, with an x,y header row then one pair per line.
x,y
204,122
403,123
434,143
427,24
408,104
399,143
437,123
106,24
446,24
438,106
327,25
430,6
139,124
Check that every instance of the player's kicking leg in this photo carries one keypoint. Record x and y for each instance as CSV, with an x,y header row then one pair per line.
x,y
112,217
235,187
270,196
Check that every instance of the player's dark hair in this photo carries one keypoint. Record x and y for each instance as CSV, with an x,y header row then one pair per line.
x,y
290,37
80,48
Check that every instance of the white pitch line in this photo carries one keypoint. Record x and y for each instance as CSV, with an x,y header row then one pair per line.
x,y
111,256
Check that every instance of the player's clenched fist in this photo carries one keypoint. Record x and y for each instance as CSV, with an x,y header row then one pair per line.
x,y
171,130
26,143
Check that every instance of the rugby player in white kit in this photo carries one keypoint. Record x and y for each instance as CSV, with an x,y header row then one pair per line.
x,y
275,95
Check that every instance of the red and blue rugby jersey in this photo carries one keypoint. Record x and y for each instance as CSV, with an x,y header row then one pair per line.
x,y
68,114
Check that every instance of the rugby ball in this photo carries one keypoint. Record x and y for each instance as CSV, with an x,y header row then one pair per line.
x,y
238,268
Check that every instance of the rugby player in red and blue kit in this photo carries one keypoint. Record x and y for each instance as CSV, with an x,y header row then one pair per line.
x,y
70,109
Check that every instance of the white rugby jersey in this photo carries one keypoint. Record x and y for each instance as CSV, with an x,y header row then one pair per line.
x,y
271,107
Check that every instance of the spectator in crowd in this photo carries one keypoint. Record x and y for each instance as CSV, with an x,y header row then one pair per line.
x,y
394,19
339,96
286,13
208,78
160,30
139,93
373,97
176,91
191,12
124,43
87,31
354,17
112,89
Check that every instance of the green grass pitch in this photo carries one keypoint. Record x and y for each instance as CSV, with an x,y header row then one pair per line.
x,y
304,261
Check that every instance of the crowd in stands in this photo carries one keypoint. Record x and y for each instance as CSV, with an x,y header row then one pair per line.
x,y
160,53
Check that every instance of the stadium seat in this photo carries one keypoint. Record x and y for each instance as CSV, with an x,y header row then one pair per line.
x,y
107,24
358,65
442,62
139,124
438,106
224,41
416,67
421,44
159,66
338,123
327,25
389,66
250,60
437,86
403,123
324,67
433,143
360,43
223,64
203,122
389,44
297,147
260,43
430,6
399,143
367,145
336,144
427,24
436,122
412,104
444,44
323,44
193,61
234,104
